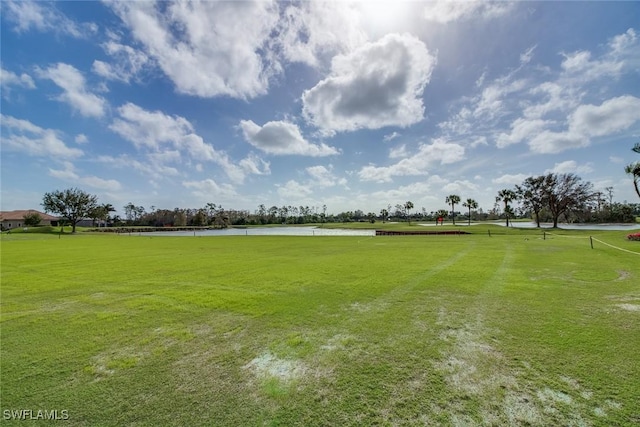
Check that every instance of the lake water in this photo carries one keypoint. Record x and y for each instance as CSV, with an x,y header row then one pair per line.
x,y
266,231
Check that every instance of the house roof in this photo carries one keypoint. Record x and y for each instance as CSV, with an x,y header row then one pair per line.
x,y
20,214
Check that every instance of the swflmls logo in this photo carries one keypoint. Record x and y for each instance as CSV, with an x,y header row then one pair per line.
x,y
40,414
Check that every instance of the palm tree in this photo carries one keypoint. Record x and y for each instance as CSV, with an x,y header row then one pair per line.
x,y
453,200
407,209
384,214
471,204
506,196
634,170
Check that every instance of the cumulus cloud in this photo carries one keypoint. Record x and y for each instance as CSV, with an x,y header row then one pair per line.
x,y
198,45
588,121
156,131
612,116
438,152
379,84
75,94
24,136
282,138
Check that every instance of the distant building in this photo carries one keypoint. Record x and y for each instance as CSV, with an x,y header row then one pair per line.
x,y
15,219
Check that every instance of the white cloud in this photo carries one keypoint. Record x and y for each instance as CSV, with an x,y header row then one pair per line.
x,y
445,11
8,78
438,152
521,129
149,128
27,15
398,152
26,137
282,138
322,176
510,179
207,48
127,62
587,121
69,174
81,139
526,56
549,142
379,84
612,116
255,165
152,168
293,190
570,166
624,44
208,188
75,92
391,136
155,131
310,31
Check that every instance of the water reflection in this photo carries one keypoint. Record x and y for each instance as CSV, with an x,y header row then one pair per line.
x,y
267,231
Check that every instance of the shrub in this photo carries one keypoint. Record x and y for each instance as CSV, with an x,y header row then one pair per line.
x,y
635,236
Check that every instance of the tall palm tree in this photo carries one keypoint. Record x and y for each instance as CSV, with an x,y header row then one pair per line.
x,y
506,196
634,170
453,200
471,204
407,209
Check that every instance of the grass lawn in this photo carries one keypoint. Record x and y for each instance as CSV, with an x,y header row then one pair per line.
x,y
257,330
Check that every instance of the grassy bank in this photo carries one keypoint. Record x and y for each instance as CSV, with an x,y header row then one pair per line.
x,y
437,330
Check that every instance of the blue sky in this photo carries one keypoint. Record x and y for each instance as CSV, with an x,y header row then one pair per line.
x,y
350,105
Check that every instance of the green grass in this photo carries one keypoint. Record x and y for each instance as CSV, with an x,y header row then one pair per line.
x,y
255,330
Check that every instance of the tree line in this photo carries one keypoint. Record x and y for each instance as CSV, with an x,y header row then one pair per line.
x,y
545,198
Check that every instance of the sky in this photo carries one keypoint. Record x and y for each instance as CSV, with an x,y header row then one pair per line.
x,y
352,105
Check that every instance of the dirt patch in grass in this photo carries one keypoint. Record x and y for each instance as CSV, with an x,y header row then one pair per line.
x,y
623,275
629,307
267,366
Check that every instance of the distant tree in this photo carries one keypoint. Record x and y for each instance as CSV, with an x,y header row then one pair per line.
x,y
565,192
384,214
442,213
633,169
71,204
407,211
32,219
507,196
470,204
453,200
533,196
101,212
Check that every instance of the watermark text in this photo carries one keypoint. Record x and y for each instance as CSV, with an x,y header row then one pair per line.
x,y
35,414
